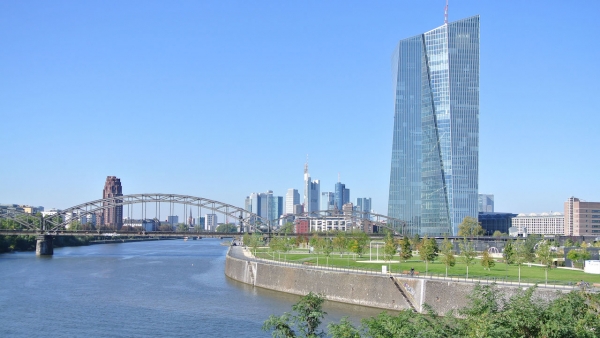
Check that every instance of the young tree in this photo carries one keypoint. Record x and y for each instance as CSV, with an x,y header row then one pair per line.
x,y
405,249
276,245
521,254
255,241
487,261
545,256
497,234
468,253
470,227
327,248
390,246
577,255
447,254
415,242
358,242
340,242
287,228
428,251
345,329
306,318
508,253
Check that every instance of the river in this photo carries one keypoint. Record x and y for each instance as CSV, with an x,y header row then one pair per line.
x,y
170,288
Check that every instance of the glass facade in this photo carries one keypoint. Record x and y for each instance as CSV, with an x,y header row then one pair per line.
x,y
434,169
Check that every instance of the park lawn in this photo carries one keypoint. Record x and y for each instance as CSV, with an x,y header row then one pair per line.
x,y
501,271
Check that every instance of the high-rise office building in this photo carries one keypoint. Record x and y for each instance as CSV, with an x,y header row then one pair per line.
x,y
311,192
435,155
292,197
363,205
112,217
485,203
341,195
327,201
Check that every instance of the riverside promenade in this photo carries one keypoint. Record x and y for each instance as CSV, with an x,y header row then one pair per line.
x,y
366,288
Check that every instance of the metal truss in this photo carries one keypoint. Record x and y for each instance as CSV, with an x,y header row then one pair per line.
x,y
27,221
61,219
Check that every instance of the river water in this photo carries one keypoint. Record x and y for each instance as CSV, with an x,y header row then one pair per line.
x,y
170,288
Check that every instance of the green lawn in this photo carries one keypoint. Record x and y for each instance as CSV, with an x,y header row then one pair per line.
x,y
501,271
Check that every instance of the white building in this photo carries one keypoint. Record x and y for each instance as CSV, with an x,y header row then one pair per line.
x,y
330,223
543,224
210,222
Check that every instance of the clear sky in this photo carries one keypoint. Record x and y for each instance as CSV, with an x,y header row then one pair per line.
x,y
219,99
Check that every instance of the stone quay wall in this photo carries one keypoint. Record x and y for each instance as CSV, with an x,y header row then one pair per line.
x,y
382,291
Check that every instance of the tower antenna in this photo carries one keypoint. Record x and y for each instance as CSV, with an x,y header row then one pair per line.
x,y
446,13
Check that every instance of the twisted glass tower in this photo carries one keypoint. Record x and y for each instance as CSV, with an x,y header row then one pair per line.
x,y
434,170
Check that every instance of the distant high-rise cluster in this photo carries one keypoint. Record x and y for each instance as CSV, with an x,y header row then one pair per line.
x,y
265,205
435,150
112,217
311,192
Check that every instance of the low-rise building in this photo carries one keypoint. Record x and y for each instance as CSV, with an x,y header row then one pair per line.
x,y
542,224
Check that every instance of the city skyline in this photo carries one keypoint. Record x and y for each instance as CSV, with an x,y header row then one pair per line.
x,y
215,75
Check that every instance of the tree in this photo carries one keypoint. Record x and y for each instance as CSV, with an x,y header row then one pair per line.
x,y
497,234
306,318
390,246
276,244
182,227
447,254
340,242
521,254
228,227
255,241
468,253
487,261
327,248
405,249
577,255
358,242
344,329
428,251
545,256
470,227
287,228
415,242
314,242
508,253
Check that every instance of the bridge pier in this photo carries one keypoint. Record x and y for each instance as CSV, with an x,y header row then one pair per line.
x,y
44,246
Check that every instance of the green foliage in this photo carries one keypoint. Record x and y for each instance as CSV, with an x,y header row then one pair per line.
x,y
287,228
227,227
415,242
578,256
305,320
405,249
182,227
509,253
344,329
326,246
468,253
390,246
447,254
497,234
255,241
470,227
487,261
340,242
357,243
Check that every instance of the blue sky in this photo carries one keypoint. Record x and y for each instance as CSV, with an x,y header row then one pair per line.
x,y
219,99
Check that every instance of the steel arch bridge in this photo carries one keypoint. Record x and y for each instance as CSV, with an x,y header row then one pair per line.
x,y
60,220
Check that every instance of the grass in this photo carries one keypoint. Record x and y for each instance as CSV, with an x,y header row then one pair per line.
x,y
529,274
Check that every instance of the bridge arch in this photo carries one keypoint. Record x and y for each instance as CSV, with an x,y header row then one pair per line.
x,y
61,219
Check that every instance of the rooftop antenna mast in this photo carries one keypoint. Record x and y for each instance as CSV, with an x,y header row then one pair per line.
x,y
446,13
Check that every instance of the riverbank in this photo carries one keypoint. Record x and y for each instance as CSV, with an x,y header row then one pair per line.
x,y
373,289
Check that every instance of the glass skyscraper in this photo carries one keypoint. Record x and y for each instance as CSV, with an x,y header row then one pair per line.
x,y
435,155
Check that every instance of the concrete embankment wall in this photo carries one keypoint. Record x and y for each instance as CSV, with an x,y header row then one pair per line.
x,y
378,291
